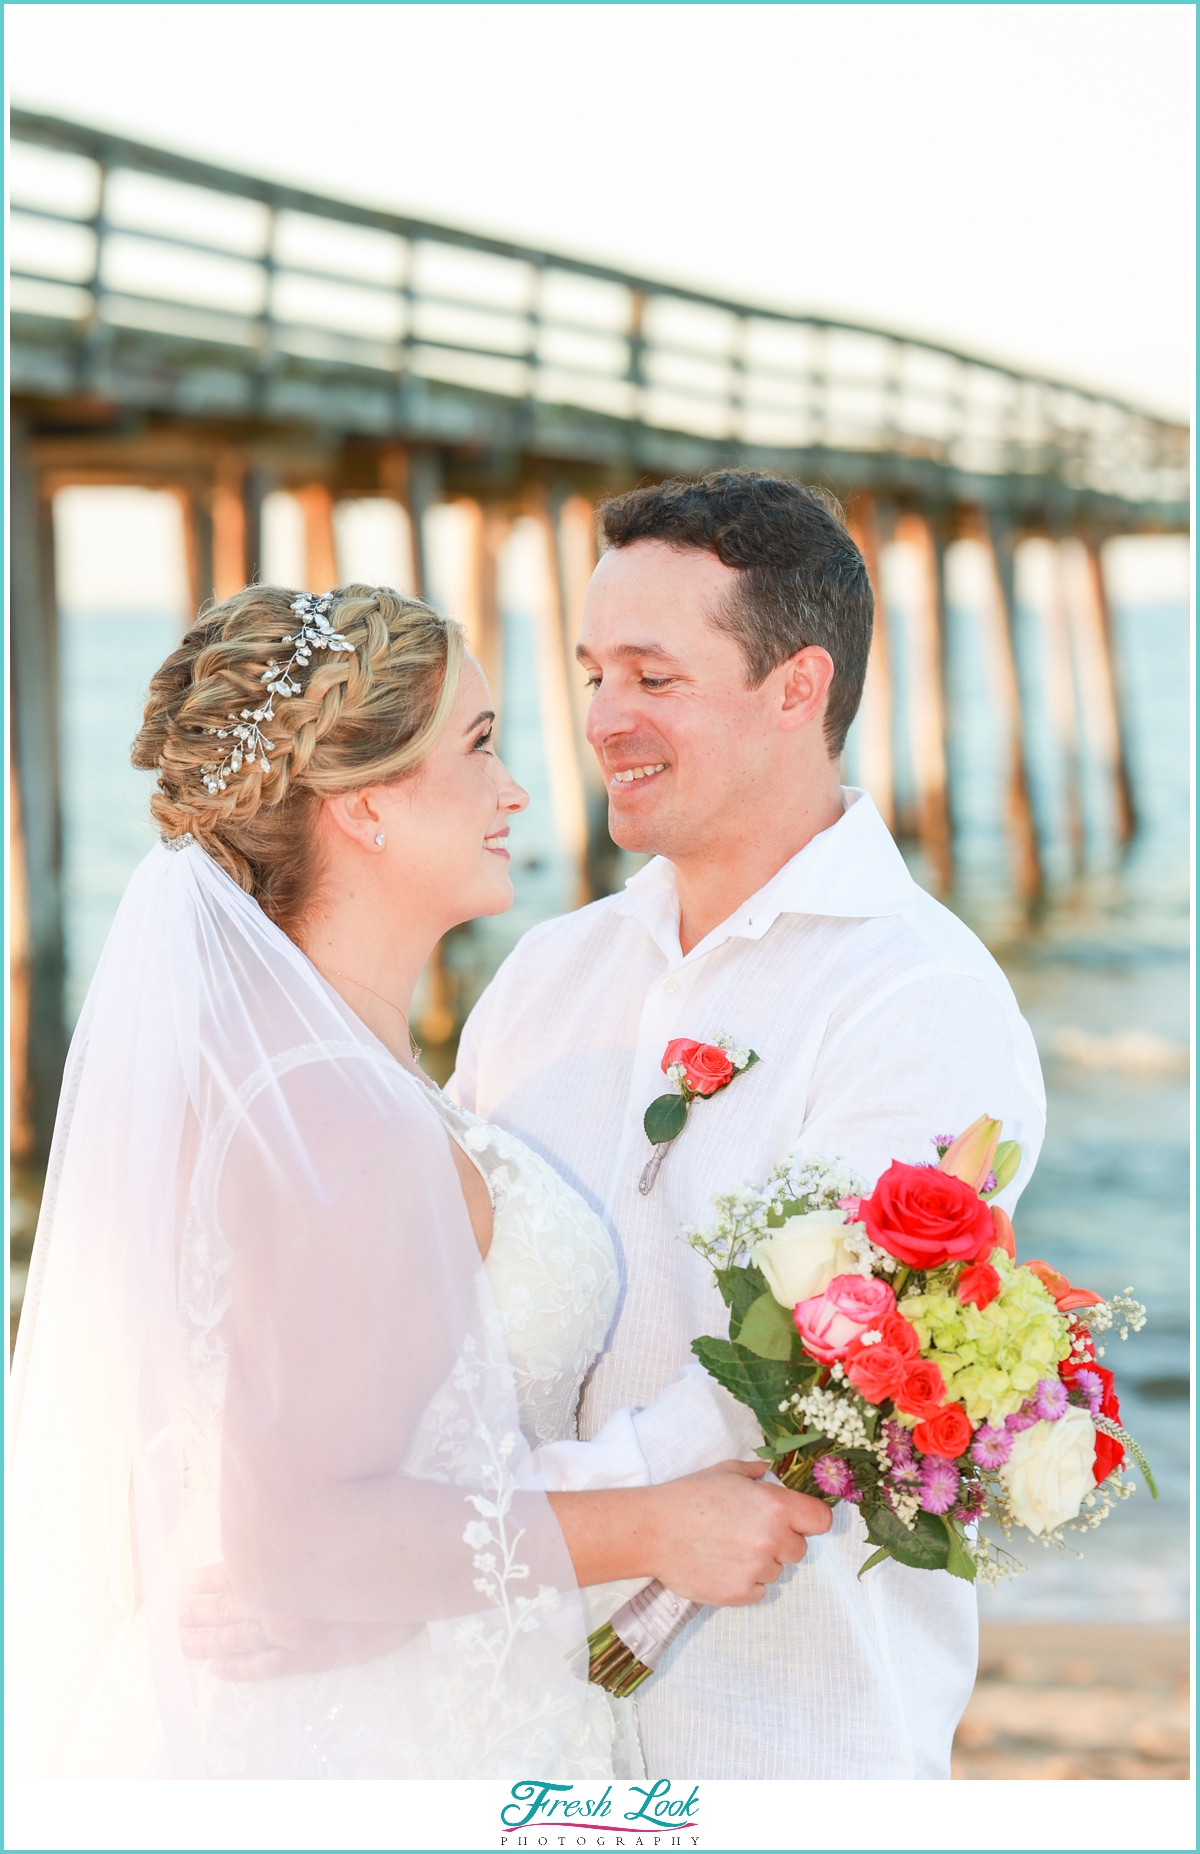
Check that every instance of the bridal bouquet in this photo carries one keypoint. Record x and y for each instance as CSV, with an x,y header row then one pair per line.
x,y
896,1355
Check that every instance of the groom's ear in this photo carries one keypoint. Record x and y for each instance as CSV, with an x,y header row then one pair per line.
x,y
805,682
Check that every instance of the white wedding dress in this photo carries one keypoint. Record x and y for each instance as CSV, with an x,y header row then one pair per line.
x,y
552,1275
258,1332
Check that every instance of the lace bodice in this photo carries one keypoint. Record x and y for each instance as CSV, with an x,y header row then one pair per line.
x,y
551,1269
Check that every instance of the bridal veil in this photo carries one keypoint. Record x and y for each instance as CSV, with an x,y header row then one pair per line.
x,y
257,1331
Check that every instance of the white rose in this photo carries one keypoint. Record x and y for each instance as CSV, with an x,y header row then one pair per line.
x,y
1050,1470
801,1258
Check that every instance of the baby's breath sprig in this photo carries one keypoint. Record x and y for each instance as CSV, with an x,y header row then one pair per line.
x,y
794,1187
1119,1310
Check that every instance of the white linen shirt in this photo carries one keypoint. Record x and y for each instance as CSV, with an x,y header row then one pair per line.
x,y
879,1020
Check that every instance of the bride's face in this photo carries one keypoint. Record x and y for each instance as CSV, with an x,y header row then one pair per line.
x,y
447,826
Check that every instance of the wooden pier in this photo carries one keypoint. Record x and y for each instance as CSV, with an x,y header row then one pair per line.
x,y
181,327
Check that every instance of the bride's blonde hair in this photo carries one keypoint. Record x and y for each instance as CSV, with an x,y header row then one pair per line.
x,y
366,716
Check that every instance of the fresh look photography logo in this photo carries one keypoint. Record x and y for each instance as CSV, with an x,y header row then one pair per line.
x,y
661,1814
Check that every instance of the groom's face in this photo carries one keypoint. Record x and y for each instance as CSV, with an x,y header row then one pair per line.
x,y
686,746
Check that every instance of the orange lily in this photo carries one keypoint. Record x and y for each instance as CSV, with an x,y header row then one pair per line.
x,y
1064,1296
1004,1232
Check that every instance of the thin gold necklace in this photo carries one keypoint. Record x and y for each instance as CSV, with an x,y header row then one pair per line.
x,y
412,1041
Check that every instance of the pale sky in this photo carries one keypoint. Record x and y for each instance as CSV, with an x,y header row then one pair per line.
x,y
1016,180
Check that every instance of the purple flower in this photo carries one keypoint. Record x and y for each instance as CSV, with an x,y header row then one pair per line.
x,y
1050,1400
989,1184
943,1142
1092,1387
905,1474
835,1477
1021,1419
901,1452
972,1504
991,1447
939,1484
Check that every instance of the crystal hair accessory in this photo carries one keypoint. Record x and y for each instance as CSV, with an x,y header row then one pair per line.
x,y
314,633
178,843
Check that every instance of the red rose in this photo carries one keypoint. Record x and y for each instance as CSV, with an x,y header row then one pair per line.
x,y
901,1335
979,1284
706,1068
923,1389
947,1433
875,1370
1109,1453
925,1217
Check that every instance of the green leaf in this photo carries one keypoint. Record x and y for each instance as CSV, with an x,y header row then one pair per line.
x,y
751,1059
877,1557
761,1384
740,1288
925,1548
665,1118
960,1560
767,1329
788,1207
787,1445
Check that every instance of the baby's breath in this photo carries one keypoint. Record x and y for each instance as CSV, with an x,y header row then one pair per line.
x,y
1119,1310
838,1415
742,1214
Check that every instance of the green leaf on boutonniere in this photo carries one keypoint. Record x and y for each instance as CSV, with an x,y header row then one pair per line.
x,y
749,1063
740,1288
665,1119
767,1329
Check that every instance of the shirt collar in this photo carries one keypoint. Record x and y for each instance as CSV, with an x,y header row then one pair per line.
x,y
851,871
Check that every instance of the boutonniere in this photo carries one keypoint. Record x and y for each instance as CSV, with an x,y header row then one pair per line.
x,y
696,1071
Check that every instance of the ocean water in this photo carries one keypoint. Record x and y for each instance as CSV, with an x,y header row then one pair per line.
x,y
1103,978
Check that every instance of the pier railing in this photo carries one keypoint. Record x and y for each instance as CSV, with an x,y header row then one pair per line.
x,y
166,282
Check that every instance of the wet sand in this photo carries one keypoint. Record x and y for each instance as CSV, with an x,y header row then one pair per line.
x,y
1081,1701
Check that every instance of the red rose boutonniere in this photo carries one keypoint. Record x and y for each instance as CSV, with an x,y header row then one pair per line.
x,y
696,1071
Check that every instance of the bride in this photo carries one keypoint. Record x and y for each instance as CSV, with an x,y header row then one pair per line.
x,y
299,1333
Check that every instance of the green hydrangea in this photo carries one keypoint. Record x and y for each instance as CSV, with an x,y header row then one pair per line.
x,y
992,1358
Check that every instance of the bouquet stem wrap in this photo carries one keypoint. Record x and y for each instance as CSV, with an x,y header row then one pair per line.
x,y
627,1649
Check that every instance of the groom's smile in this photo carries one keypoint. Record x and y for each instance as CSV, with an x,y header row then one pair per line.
x,y
637,772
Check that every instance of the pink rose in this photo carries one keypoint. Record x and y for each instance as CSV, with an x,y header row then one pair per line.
x,y
849,1306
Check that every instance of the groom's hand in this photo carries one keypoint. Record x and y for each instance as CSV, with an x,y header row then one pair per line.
x,y
214,1627
726,1534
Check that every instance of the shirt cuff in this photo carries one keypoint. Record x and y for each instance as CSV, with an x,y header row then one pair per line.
x,y
692,1424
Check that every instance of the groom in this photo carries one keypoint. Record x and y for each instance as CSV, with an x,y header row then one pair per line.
x,y
725,635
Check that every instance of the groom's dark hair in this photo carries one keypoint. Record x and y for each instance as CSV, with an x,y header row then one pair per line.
x,y
803,581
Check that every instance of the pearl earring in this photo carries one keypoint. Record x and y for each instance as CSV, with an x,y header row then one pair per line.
x,y
381,840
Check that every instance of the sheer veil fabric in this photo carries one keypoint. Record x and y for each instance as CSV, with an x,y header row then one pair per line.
x,y
257,1330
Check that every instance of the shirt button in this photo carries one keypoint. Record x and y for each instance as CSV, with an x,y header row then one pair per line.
x,y
671,984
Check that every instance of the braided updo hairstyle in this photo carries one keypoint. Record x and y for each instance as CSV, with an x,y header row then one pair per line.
x,y
364,717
